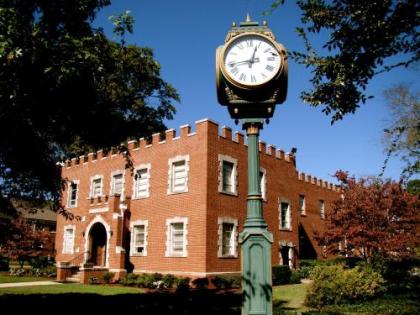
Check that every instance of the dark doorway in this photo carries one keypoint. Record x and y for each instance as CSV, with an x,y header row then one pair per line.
x,y
97,241
306,249
285,255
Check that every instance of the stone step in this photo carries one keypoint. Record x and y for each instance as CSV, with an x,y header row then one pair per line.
x,y
73,279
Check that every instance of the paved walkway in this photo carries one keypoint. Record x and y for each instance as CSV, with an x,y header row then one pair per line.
x,y
26,284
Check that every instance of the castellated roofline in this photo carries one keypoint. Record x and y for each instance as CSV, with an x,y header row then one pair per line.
x,y
185,132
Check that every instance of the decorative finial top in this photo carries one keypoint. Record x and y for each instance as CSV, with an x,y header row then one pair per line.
x,y
248,18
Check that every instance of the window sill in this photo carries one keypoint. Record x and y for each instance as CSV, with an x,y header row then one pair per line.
x,y
229,193
228,257
177,192
303,214
139,198
138,255
286,230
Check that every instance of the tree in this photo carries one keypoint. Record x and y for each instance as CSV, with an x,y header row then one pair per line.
x,y
65,88
373,217
24,242
402,138
361,38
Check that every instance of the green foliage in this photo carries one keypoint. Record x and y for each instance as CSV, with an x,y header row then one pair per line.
x,y
129,280
68,89
226,282
93,280
336,285
295,277
182,284
357,39
168,281
413,186
201,283
281,274
108,276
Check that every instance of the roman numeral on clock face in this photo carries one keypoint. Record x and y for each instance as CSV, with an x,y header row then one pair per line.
x,y
269,67
234,71
253,79
249,43
242,77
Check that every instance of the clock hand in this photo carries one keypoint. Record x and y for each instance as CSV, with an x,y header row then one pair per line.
x,y
231,64
253,57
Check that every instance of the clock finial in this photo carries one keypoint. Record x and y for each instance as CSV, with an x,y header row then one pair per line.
x,y
248,18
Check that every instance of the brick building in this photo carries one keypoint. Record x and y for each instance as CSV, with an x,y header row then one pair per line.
x,y
181,208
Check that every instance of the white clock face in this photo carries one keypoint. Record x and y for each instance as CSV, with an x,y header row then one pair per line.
x,y
251,60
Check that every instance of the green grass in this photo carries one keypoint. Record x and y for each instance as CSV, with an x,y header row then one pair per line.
x,y
5,278
290,297
70,288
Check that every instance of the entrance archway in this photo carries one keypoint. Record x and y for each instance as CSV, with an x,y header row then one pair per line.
x,y
97,244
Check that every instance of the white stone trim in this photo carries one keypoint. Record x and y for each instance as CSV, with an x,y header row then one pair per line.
x,y
263,183
321,207
168,251
111,183
146,234
99,210
92,178
98,219
171,163
148,167
67,227
289,228
302,210
220,222
77,182
227,158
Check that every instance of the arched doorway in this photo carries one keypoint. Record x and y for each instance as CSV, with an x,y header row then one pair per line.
x,y
97,244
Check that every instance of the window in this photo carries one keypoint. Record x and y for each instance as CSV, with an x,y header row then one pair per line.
x,y
68,239
322,209
176,244
141,181
302,205
263,182
139,238
72,194
227,175
117,183
285,217
178,175
96,186
227,242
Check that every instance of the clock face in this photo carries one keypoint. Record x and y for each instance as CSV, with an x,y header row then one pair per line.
x,y
251,60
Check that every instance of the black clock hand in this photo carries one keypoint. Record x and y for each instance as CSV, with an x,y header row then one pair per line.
x,y
253,57
231,64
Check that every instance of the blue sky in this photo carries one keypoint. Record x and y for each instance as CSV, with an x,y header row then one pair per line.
x,y
184,35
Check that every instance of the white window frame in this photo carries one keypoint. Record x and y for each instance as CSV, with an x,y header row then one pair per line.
x,y
222,158
263,183
302,208
112,183
288,227
171,179
133,226
92,179
140,167
169,244
69,250
69,191
321,206
234,240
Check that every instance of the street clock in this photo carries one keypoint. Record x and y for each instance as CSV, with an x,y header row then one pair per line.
x,y
251,71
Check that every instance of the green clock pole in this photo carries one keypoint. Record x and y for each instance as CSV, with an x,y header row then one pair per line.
x,y
255,239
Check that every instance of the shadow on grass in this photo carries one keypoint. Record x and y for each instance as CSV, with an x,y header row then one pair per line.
x,y
194,302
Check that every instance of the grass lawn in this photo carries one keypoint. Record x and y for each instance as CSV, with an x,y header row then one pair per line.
x,y
5,278
290,297
70,288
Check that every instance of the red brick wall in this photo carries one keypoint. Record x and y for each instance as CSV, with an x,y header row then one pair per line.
x,y
202,204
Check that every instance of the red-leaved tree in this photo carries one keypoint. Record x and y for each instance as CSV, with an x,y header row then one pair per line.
x,y
372,217
25,242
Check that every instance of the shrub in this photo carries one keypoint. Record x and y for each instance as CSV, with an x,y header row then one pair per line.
x,y
295,277
129,280
108,276
40,262
168,281
336,285
281,274
20,272
226,282
201,283
93,280
182,284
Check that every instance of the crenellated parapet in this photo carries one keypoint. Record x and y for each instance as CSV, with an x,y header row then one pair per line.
x,y
185,132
